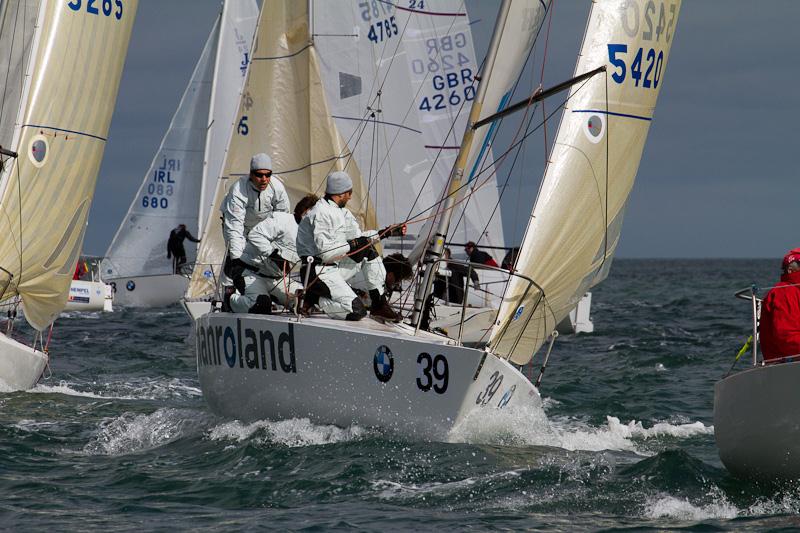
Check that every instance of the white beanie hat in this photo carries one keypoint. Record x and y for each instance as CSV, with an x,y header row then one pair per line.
x,y
338,182
260,162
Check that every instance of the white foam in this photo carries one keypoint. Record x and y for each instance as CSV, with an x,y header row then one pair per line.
x,y
515,426
666,506
141,389
295,432
64,388
131,433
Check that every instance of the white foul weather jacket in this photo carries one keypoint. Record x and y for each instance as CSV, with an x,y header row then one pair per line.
x,y
244,207
325,230
276,232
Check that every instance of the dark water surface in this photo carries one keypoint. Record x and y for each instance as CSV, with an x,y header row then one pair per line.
x,y
119,439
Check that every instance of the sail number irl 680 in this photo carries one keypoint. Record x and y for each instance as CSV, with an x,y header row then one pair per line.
x,y
655,21
95,7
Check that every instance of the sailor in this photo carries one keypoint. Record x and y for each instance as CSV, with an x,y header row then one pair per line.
x,y
269,255
779,330
478,256
175,248
249,201
330,234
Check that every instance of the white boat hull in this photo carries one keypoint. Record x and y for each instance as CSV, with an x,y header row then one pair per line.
x,y
254,367
196,309
20,366
89,296
757,421
149,291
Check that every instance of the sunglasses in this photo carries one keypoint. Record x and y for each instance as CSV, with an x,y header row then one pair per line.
x,y
267,174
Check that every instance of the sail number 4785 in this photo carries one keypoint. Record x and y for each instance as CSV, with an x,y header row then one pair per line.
x,y
95,7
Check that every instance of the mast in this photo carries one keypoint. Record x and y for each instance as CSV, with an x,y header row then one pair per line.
x,y
436,244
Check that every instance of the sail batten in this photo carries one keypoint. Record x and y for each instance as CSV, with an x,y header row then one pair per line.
x,y
576,221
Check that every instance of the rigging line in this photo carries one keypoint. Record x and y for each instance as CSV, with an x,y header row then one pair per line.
x,y
494,167
10,56
450,130
413,104
605,211
500,123
541,77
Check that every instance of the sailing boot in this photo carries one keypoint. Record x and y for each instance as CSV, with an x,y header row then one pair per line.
x,y
381,310
263,305
226,300
359,311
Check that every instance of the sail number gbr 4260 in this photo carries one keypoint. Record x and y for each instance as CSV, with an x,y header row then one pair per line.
x,y
96,7
654,22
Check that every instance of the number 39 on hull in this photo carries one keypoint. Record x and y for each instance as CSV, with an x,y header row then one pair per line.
x,y
254,367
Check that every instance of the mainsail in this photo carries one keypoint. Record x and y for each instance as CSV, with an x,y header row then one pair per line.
x,y
190,154
283,111
575,225
72,66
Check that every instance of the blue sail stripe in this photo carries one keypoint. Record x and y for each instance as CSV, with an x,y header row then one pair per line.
x,y
624,115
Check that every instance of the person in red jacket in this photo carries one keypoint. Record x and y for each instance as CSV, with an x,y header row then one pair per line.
x,y
779,331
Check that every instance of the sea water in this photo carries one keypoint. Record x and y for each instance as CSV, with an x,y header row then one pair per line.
x,y
118,438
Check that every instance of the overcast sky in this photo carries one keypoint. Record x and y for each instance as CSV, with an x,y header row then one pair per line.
x,y
717,178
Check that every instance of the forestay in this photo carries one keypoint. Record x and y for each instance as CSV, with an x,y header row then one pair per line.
x,y
516,39
284,112
575,224
62,121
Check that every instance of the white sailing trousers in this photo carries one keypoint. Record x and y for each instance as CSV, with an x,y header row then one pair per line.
x,y
340,304
282,289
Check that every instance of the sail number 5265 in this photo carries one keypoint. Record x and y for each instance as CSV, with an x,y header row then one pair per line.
x,y
95,7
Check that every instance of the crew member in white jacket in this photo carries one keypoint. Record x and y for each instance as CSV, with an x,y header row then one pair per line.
x,y
331,235
249,201
269,256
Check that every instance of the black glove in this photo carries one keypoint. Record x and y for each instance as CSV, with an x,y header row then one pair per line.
x,y
397,230
361,247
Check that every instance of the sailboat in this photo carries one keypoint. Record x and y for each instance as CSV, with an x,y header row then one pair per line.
x,y
180,181
88,292
61,63
755,412
398,376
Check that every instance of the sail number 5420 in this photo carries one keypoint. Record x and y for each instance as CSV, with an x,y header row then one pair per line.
x,y
95,7
651,62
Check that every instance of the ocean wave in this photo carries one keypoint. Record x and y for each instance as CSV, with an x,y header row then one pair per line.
x,y
296,432
132,433
667,506
132,389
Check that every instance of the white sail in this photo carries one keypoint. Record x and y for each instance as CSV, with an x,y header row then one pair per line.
x,y
180,183
399,80
284,112
17,28
170,192
236,30
63,117
575,225
519,33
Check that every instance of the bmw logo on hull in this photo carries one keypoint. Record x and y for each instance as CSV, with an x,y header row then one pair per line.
x,y
383,364
131,285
